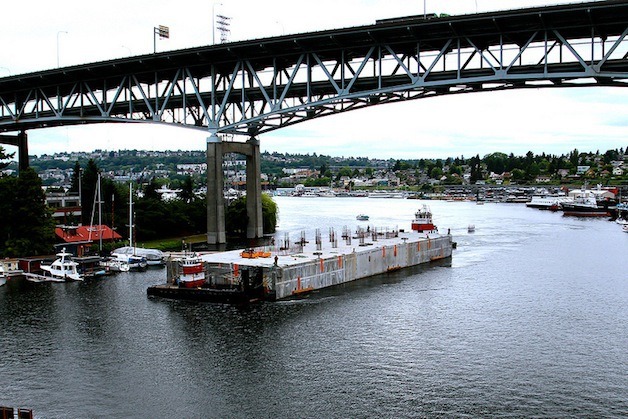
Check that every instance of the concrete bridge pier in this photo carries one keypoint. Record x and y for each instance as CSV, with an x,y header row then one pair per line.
x,y
216,148
21,142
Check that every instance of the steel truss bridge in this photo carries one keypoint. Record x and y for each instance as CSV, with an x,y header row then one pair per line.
x,y
252,87
247,88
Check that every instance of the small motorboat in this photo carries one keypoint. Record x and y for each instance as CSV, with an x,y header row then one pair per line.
x,y
362,217
471,228
63,268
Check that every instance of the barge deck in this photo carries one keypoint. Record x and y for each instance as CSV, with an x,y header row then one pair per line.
x,y
291,269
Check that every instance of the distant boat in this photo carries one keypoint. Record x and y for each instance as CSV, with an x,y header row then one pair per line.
x,y
584,205
63,268
423,220
552,203
362,217
384,194
471,228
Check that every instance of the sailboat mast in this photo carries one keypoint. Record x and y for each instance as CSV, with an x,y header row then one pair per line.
x,y
131,214
100,229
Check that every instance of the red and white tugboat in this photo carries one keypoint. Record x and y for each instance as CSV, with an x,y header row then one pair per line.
x,y
423,220
192,272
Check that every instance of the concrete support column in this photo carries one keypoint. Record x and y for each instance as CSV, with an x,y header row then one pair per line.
x,y
22,144
255,227
215,198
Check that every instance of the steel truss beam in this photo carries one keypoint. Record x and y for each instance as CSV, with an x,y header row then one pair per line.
x,y
244,98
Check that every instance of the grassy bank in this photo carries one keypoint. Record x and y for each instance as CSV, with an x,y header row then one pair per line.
x,y
174,244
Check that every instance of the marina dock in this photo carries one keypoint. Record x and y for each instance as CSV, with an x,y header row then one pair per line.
x,y
289,269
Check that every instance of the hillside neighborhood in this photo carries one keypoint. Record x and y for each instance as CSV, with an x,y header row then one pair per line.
x,y
169,168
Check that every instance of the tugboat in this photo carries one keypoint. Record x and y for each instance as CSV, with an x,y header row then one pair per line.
x,y
423,220
192,272
63,268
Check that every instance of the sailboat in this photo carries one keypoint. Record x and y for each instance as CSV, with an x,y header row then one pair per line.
x,y
137,257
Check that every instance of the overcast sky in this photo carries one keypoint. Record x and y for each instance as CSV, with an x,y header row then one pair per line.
x,y
37,34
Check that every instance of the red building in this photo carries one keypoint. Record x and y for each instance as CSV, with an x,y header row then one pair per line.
x,y
83,237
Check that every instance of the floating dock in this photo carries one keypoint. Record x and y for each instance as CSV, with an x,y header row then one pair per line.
x,y
290,269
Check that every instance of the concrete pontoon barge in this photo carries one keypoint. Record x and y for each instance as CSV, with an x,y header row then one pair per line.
x,y
290,269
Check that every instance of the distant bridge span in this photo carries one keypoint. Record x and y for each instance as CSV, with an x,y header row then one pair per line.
x,y
251,87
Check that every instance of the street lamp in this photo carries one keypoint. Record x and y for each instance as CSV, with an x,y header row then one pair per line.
x,y
59,33
214,22
283,30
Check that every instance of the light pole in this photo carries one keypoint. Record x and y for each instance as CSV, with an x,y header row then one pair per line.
x,y
283,30
59,33
214,22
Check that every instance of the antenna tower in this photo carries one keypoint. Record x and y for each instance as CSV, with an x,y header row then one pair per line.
x,y
222,24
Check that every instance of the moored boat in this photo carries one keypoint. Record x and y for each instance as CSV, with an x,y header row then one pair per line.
x,y
115,265
153,257
386,194
584,206
63,268
134,262
423,220
192,272
551,203
9,268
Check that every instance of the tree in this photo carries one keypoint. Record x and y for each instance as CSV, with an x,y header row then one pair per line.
x,y
187,190
344,171
436,172
76,175
236,218
88,186
323,169
574,157
150,190
31,230
496,162
518,174
4,156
